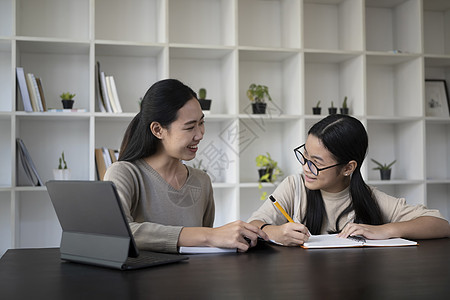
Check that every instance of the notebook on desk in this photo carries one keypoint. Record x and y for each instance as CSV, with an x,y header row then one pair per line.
x,y
95,229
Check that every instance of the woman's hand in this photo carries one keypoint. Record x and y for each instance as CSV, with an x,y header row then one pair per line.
x,y
373,232
288,234
425,227
238,234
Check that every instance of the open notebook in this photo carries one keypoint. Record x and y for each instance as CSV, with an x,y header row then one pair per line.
x,y
332,241
95,230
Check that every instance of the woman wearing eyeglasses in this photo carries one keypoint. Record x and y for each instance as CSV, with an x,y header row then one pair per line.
x,y
332,197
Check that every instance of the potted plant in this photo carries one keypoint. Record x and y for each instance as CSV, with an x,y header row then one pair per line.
x,y
258,95
332,110
317,109
385,169
268,170
67,100
344,109
62,172
204,103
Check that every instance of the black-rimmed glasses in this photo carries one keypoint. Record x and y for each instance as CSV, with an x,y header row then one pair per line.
x,y
312,167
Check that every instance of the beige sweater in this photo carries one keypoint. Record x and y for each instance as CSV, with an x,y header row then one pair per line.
x,y
291,195
156,211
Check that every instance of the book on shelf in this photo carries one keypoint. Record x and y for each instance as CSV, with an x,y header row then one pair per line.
x,y
37,93
112,94
31,91
104,157
105,92
108,98
100,98
27,164
41,93
333,241
22,83
67,110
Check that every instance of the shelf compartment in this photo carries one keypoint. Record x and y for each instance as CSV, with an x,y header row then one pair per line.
x,y
38,225
394,85
5,221
437,197
134,68
437,149
436,26
5,149
226,206
397,140
215,70
331,77
278,20
393,26
61,66
278,137
414,193
438,68
46,138
218,151
280,71
134,20
109,132
6,83
333,25
6,22
45,19
250,199
202,22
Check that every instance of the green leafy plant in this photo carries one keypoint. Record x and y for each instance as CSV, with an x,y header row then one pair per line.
x,y
202,93
381,166
67,96
62,161
332,104
258,93
272,171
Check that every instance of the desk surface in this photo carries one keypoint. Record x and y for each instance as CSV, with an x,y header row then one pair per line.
x,y
265,272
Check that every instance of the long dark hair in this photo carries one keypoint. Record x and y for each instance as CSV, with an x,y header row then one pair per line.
x,y
346,138
160,104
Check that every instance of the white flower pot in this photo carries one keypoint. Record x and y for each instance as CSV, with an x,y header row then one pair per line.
x,y
61,174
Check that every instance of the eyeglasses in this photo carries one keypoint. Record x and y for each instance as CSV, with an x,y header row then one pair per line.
x,y
312,167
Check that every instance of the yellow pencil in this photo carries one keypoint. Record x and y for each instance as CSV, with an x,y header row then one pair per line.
x,y
284,212
281,209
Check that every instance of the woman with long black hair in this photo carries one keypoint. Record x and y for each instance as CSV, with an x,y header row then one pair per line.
x,y
167,203
332,197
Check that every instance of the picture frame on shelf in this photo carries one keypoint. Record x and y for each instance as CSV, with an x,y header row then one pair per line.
x,y
436,98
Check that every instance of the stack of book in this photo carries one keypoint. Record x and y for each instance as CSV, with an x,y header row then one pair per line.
x,y
107,96
104,157
31,91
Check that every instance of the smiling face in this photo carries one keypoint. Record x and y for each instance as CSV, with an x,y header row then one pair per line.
x,y
180,140
331,180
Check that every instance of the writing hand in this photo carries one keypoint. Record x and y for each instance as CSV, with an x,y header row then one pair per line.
x,y
288,234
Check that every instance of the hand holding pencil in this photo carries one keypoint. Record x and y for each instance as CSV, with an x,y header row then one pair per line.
x,y
291,229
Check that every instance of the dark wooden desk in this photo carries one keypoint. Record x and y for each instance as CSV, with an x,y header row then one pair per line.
x,y
266,272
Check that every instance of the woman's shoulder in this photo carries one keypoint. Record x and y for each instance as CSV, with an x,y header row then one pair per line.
x,y
121,167
197,173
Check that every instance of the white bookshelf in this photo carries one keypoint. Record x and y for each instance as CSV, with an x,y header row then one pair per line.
x,y
378,53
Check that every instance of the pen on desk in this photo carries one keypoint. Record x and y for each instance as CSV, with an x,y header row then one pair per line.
x,y
272,198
